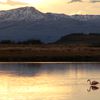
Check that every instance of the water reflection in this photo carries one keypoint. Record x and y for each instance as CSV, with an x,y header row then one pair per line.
x,y
31,69
48,81
27,69
92,88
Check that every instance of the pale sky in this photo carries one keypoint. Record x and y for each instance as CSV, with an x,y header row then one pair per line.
x,y
56,6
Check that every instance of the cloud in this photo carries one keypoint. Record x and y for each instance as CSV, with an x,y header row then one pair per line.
x,y
71,1
91,1
12,2
94,1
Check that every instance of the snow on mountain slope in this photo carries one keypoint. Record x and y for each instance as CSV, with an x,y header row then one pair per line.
x,y
30,13
24,13
85,17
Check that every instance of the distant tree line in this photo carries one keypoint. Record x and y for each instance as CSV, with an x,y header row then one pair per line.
x,y
85,38
32,41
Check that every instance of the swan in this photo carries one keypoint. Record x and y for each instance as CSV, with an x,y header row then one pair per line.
x,y
92,82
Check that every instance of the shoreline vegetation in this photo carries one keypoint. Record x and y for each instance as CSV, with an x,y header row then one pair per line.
x,y
48,52
71,48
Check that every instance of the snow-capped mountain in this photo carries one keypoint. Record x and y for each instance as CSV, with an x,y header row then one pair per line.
x,y
29,23
24,13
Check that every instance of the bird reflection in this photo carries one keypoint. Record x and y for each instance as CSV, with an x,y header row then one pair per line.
x,y
92,88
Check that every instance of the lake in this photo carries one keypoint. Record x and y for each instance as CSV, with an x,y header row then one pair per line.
x,y
49,81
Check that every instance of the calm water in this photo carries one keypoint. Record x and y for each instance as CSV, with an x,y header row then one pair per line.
x,y
49,81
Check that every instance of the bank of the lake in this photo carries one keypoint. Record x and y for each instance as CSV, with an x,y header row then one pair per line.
x,y
45,53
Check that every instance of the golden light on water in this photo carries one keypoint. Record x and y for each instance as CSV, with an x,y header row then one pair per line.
x,y
48,81
27,88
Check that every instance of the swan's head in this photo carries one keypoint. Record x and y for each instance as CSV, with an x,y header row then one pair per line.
x,y
88,80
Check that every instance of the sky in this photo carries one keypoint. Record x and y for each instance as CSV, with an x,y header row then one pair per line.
x,y
69,7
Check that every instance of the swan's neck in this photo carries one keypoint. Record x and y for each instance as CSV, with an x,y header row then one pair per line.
x,y
90,81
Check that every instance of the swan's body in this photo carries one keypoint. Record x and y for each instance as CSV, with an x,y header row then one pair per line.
x,y
92,82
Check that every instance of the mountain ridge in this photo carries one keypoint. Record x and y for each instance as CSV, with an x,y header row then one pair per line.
x,y
28,23
27,13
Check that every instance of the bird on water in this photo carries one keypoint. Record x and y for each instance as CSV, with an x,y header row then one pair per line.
x,y
92,82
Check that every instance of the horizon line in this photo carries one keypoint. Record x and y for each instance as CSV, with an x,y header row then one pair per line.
x,y
47,12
